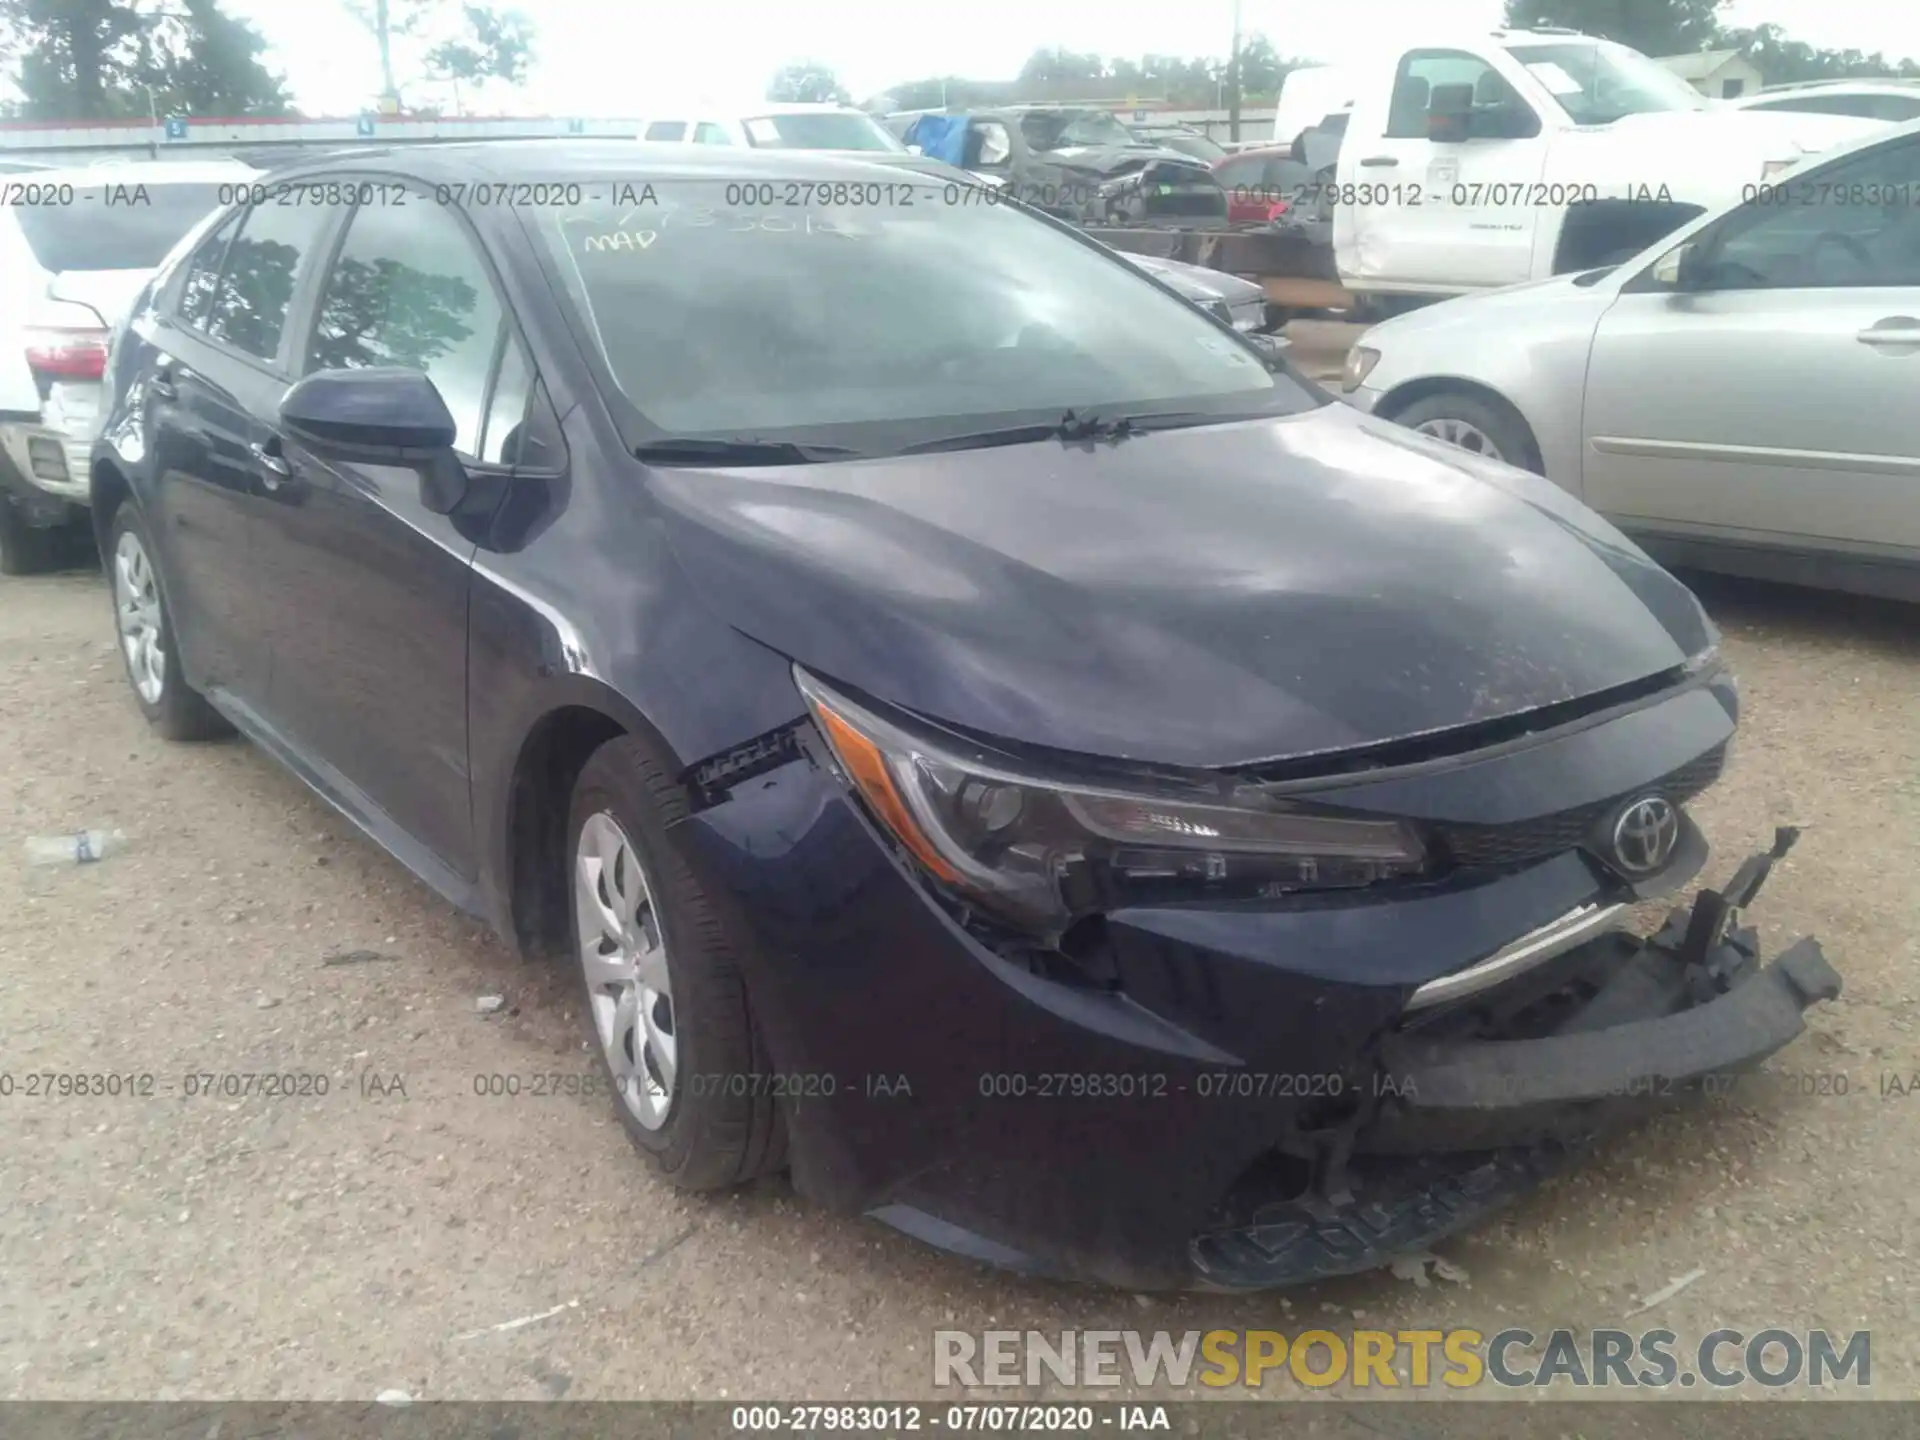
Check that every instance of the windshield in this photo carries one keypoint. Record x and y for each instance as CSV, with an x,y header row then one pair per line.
x,y
118,227
825,130
1597,82
907,312
1056,130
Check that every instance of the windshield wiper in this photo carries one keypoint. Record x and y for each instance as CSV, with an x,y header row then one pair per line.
x,y
694,450
1072,427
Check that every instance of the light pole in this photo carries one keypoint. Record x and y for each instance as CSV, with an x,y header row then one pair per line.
x,y
1233,79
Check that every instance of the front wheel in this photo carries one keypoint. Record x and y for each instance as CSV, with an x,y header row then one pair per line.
x,y
146,634
1474,424
666,1003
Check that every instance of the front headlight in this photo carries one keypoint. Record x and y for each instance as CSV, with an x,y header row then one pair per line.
x,y
1041,853
1360,363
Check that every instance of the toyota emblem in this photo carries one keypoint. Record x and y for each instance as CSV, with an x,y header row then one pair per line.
x,y
1645,834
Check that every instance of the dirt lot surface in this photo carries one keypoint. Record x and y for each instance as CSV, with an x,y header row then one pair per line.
x,y
342,1245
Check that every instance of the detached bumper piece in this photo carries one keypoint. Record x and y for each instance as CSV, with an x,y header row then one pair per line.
x,y
1470,1106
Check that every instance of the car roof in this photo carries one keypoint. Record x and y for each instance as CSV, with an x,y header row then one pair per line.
x,y
768,109
532,161
149,172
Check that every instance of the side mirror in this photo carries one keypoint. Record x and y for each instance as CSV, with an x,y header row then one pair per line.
x,y
1274,347
387,415
1450,113
1682,268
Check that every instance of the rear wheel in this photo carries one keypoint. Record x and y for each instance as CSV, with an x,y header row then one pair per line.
x,y
146,633
1474,424
666,1004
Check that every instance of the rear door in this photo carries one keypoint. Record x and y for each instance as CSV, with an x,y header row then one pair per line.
x,y
370,632
1777,405
215,378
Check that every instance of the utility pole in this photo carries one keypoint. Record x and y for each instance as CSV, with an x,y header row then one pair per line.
x,y
382,22
1233,79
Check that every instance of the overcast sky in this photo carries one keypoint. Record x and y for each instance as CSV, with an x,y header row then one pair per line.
x,y
619,58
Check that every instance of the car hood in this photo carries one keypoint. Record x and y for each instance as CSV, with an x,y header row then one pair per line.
x,y
1713,153
1557,297
1197,281
1205,597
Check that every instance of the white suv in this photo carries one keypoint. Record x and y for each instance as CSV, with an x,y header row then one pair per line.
x,y
777,127
76,246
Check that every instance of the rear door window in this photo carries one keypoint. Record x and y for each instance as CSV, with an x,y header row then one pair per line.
x,y
114,227
203,273
249,309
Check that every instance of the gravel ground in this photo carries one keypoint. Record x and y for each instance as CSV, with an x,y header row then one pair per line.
x,y
335,1247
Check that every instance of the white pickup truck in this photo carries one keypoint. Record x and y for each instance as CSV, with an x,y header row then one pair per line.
x,y
1487,158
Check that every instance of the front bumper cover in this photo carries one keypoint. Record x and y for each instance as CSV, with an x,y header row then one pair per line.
x,y
1467,1114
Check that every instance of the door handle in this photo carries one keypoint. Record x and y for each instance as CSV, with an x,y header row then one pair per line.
x,y
1902,330
1373,162
273,465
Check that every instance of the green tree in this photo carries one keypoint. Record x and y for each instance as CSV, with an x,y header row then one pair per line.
x,y
807,82
74,59
1783,61
1056,66
124,59
464,43
202,61
1653,27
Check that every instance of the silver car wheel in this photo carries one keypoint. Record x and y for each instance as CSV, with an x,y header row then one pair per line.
x,y
136,598
624,958
1461,435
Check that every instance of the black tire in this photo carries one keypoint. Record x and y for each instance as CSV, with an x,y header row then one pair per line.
x,y
715,1134
1497,422
25,549
181,712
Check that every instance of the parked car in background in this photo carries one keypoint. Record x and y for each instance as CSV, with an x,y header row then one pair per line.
x,y
776,127
903,659
1891,100
76,245
1260,184
1074,161
1184,138
1241,303
1739,397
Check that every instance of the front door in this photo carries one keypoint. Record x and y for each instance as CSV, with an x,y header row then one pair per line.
x,y
370,633
1773,400
1450,214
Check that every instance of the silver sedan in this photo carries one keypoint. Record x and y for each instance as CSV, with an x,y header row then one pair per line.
x,y
1744,396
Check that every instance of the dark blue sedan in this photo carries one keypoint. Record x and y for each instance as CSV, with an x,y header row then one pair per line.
x,y
991,738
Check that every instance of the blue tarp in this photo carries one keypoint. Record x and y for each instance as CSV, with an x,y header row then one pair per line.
x,y
941,137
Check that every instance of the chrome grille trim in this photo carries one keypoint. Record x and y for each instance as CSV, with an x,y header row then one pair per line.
x,y
1556,937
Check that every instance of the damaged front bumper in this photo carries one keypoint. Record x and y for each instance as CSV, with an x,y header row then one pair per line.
x,y
1487,1088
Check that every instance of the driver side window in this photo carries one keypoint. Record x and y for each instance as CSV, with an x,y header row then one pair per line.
x,y
1847,226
